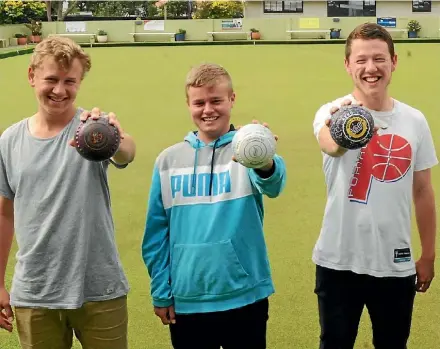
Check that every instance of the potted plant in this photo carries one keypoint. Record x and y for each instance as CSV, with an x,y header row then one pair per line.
x,y
180,35
335,33
36,30
413,28
21,39
255,34
102,36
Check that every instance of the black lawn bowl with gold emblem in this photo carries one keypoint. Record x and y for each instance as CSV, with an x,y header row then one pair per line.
x,y
352,127
97,140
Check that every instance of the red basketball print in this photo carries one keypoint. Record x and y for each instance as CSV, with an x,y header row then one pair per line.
x,y
392,158
386,158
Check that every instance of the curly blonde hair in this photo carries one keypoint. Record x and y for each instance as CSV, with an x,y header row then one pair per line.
x,y
63,50
207,74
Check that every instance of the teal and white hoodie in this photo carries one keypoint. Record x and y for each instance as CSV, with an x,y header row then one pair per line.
x,y
203,244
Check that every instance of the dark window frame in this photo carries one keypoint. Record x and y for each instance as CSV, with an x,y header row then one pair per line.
x,y
368,9
427,6
283,7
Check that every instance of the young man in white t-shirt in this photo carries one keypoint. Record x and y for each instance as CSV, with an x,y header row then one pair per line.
x,y
364,255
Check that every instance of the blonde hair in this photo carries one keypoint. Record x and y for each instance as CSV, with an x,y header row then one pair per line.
x,y
207,74
63,50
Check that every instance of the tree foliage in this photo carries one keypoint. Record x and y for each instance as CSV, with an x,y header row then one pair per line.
x,y
57,7
12,12
118,8
218,9
177,9
174,8
24,11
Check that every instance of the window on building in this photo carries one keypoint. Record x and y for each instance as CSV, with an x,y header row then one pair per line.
x,y
283,6
421,6
352,8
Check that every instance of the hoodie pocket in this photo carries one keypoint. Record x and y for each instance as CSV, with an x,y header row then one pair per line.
x,y
206,270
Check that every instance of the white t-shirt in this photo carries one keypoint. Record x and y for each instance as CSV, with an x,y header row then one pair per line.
x,y
366,226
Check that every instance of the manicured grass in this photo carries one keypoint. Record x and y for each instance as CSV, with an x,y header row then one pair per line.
x,y
283,85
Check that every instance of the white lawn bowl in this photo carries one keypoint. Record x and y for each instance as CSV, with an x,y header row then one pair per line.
x,y
254,145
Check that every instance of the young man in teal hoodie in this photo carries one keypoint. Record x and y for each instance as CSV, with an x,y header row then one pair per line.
x,y
203,245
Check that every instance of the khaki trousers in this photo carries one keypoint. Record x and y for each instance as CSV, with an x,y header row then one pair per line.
x,y
97,325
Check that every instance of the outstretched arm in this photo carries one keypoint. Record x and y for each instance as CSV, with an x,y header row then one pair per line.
x,y
126,151
326,142
321,128
270,180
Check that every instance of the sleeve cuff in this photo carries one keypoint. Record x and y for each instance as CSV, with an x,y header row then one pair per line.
x,y
266,174
162,303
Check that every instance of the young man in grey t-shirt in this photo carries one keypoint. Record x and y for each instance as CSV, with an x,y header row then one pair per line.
x,y
68,275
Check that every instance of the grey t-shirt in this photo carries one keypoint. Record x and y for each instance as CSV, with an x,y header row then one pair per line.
x,y
63,223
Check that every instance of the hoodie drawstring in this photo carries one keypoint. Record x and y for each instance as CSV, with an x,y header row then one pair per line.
x,y
193,182
212,167
193,186
192,138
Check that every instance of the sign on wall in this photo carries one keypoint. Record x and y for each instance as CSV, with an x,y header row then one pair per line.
x,y
387,22
236,23
154,25
309,23
75,27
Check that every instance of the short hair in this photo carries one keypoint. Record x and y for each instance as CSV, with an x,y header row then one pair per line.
x,y
63,50
207,74
369,31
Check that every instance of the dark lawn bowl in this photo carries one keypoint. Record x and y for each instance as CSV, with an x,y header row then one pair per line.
x,y
97,140
352,127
